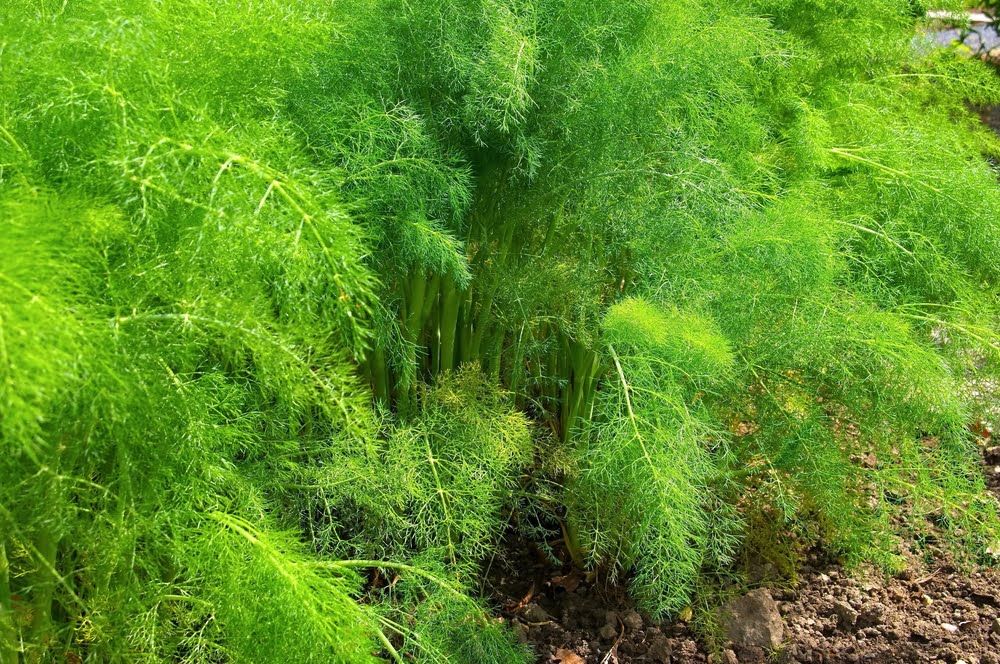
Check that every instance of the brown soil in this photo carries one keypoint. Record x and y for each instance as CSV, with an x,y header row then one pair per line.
x,y
561,614
930,613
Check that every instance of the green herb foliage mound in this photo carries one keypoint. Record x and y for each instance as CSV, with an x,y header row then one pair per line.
x,y
303,305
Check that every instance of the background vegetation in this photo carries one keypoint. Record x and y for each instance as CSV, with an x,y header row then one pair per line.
x,y
304,305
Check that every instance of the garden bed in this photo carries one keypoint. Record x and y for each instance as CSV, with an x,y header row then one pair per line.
x,y
932,612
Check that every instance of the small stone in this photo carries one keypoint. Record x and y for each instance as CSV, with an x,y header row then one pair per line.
x,y
871,614
754,655
948,627
828,627
923,631
660,650
846,616
926,600
632,620
753,621
729,657
536,614
995,626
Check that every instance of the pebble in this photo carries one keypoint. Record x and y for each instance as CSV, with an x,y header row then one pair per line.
x,y
632,620
660,650
872,614
536,614
948,627
847,617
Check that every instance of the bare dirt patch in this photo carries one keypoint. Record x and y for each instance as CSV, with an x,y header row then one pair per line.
x,y
933,612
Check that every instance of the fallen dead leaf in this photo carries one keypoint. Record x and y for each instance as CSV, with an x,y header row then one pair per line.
x,y
566,656
569,582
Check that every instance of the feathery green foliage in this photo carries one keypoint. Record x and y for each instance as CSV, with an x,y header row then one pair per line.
x,y
296,301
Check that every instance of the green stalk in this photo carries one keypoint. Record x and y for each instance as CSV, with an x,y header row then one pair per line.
x,y
481,325
550,229
415,305
412,309
380,375
517,367
565,395
590,388
450,302
550,389
431,298
491,366
465,329
8,649
43,584
45,547
572,540
582,360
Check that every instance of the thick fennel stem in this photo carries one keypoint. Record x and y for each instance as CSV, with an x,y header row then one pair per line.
x,y
482,321
465,328
430,297
450,302
517,367
430,307
491,366
380,377
46,546
415,304
413,293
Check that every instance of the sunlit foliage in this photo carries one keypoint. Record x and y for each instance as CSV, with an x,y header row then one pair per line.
x,y
299,302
